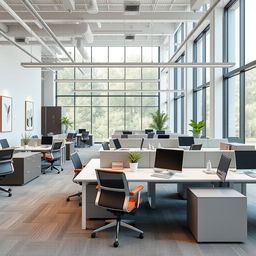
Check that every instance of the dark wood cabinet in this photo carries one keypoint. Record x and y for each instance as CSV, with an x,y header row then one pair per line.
x,y
51,120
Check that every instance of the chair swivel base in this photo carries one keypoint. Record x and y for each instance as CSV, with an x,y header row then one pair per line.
x,y
9,191
51,168
118,223
79,194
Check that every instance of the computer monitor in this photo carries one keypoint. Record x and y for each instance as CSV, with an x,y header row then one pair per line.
x,y
127,132
141,144
81,130
163,136
223,166
245,159
124,136
186,140
46,140
4,143
160,132
151,135
170,160
148,131
117,143
195,147
105,146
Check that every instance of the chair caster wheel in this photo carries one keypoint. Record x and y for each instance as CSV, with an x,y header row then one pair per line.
x,y
62,169
58,172
93,235
141,236
9,189
67,199
10,194
43,172
116,244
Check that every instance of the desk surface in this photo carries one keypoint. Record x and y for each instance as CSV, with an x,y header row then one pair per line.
x,y
144,175
33,148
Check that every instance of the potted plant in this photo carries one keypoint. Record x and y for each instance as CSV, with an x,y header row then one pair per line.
x,y
66,122
159,120
25,139
197,128
134,158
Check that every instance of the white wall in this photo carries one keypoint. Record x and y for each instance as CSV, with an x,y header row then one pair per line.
x,y
21,84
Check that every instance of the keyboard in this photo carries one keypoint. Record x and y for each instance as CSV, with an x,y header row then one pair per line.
x,y
161,175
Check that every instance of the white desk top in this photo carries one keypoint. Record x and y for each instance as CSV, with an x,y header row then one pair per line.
x,y
33,148
144,175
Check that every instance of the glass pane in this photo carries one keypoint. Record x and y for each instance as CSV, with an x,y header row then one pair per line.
x,y
233,107
85,75
133,118
116,54
150,86
133,73
250,106
146,116
100,123
150,73
133,101
99,73
83,118
133,54
199,106
79,57
207,112
116,100
149,101
67,73
149,54
65,89
99,54
116,119
83,101
69,112
65,101
116,73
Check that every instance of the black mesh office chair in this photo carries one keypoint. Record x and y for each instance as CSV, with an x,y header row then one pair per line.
x,y
78,168
53,157
85,138
151,135
114,195
4,143
70,136
6,167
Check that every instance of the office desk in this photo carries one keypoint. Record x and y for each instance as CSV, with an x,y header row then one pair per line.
x,y
34,148
189,175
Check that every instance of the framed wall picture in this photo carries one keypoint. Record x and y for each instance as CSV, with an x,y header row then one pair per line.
x,y
5,114
29,115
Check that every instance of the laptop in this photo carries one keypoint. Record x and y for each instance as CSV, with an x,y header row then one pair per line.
x,y
118,145
245,162
223,167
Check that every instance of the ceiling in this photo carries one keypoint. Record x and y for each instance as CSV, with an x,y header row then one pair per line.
x,y
156,20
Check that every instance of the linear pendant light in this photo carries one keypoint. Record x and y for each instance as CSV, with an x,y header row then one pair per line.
x,y
127,65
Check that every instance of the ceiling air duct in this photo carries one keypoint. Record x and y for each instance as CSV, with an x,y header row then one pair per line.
x,y
80,48
69,5
88,36
92,7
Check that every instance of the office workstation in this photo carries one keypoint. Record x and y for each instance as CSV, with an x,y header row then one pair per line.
x,y
127,127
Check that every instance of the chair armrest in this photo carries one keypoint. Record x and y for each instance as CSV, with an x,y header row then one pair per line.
x,y
136,190
77,170
97,187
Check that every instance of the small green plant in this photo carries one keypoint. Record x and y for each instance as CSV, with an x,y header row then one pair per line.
x,y
197,128
134,157
66,122
25,138
159,120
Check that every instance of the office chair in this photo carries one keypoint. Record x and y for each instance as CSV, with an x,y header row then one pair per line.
x,y
78,168
114,195
53,157
85,138
124,136
4,143
6,167
70,137
151,135
160,132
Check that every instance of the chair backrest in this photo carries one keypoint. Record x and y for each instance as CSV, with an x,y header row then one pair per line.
x,y
70,136
196,147
6,166
76,161
186,141
160,132
148,131
163,136
85,135
117,143
105,146
81,130
4,143
124,136
56,146
113,192
151,135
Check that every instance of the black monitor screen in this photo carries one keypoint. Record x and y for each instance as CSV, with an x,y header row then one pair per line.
x,y
117,143
148,131
46,140
223,166
195,147
160,132
81,130
186,140
169,159
4,143
105,146
245,159
127,132
163,136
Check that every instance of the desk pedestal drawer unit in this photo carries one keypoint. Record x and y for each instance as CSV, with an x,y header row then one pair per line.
x,y
27,166
93,211
217,215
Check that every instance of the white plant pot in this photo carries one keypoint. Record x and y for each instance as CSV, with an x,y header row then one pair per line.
x,y
25,146
133,166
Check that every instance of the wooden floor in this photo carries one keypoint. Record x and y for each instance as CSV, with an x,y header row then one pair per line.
x,y
37,221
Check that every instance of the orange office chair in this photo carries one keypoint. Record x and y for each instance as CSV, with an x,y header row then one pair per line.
x,y
114,195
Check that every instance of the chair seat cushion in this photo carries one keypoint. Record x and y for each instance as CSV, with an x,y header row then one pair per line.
x,y
133,203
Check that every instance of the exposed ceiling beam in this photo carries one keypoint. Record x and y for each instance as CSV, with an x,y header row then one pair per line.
x,y
197,4
3,27
80,17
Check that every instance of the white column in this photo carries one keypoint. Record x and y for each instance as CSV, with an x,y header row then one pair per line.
x,y
48,88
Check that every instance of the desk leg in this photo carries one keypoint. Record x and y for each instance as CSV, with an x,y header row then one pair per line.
x,y
84,184
152,194
243,189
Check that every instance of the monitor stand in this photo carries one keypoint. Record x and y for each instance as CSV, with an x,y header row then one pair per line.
x,y
166,174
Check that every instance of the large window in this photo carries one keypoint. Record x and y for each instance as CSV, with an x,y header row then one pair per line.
x,y
201,78
179,36
95,105
179,97
239,81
